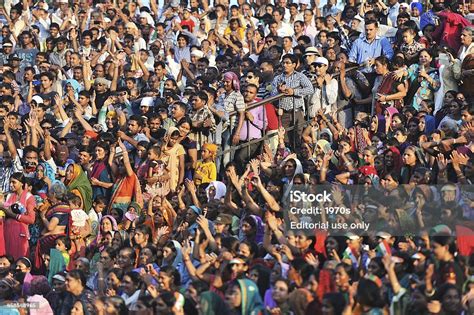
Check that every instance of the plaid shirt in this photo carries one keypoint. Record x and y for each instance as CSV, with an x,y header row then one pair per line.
x,y
301,86
197,134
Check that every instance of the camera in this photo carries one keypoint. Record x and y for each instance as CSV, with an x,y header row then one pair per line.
x,y
17,208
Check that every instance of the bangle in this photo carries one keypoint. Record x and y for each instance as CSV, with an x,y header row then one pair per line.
x,y
454,141
18,217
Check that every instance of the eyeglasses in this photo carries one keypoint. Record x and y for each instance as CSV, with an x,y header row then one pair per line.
x,y
319,65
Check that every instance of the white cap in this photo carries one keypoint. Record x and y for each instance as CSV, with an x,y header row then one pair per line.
x,y
307,2
63,1
384,235
322,60
147,101
38,99
197,53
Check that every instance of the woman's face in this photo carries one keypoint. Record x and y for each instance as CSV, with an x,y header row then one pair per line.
x,y
290,167
368,157
21,267
184,129
73,284
448,98
106,225
69,173
244,250
164,281
301,241
77,309
233,296
280,292
466,38
128,286
341,278
409,157
380,68
396,122
113,282
425,58
15,185
117,240
99,153
413,127
140,238
253,275
422,124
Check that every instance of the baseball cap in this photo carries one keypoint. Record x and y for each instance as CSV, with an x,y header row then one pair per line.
x,y
8,44
352,236
383,235
174,3
14,57
38,99
237,261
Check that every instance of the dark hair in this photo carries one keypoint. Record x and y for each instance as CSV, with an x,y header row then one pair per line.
x,y
173,273
369,294
78,275
66,240
292,58
337,300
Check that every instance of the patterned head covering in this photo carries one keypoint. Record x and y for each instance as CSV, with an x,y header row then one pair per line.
x,y
235,80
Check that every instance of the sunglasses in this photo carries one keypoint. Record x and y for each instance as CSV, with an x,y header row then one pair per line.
x,y
319,65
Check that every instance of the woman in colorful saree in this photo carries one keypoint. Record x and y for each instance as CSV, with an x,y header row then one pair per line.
x,y
127,186
19,213
78,184
55,219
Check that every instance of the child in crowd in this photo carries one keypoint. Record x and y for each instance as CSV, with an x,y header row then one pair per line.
x,y
206,170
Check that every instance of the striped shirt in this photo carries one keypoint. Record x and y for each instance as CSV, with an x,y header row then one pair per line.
x,y
231,102
301,86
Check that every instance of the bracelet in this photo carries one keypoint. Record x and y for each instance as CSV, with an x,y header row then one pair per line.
x,y
454,141
18,217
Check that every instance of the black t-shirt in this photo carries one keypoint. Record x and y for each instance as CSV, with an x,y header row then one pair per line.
x,y
100,99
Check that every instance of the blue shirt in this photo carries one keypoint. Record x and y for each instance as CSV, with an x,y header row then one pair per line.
x,y
362,50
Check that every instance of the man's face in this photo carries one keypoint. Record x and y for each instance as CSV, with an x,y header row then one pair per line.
x,y
54,31
14,14
288,65
154,125
26,39
124,260
251,78
370,31
77,74
45,82
133,127
86,40
197,102
250,94
84,157
274,28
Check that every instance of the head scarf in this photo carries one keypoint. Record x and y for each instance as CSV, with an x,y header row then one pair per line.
x,y
380,123
196,210
324,145
212,304
235,80
397,159
221,190
251,301
75,86
98,238
391,111
259,228
179,256
430,123
81,183
417,5
328,132
450,123
212,148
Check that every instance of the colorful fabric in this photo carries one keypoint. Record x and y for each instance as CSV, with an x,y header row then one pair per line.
x,y
80,183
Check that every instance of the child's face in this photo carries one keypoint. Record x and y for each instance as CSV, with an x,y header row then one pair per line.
x,y
99,207
415,12
205,154
60,246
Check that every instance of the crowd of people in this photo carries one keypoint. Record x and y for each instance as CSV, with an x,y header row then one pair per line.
x,y
143,171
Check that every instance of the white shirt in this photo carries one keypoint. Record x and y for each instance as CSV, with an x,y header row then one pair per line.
x,y
324,98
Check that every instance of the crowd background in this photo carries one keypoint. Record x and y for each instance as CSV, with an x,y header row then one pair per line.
x,y
139,177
